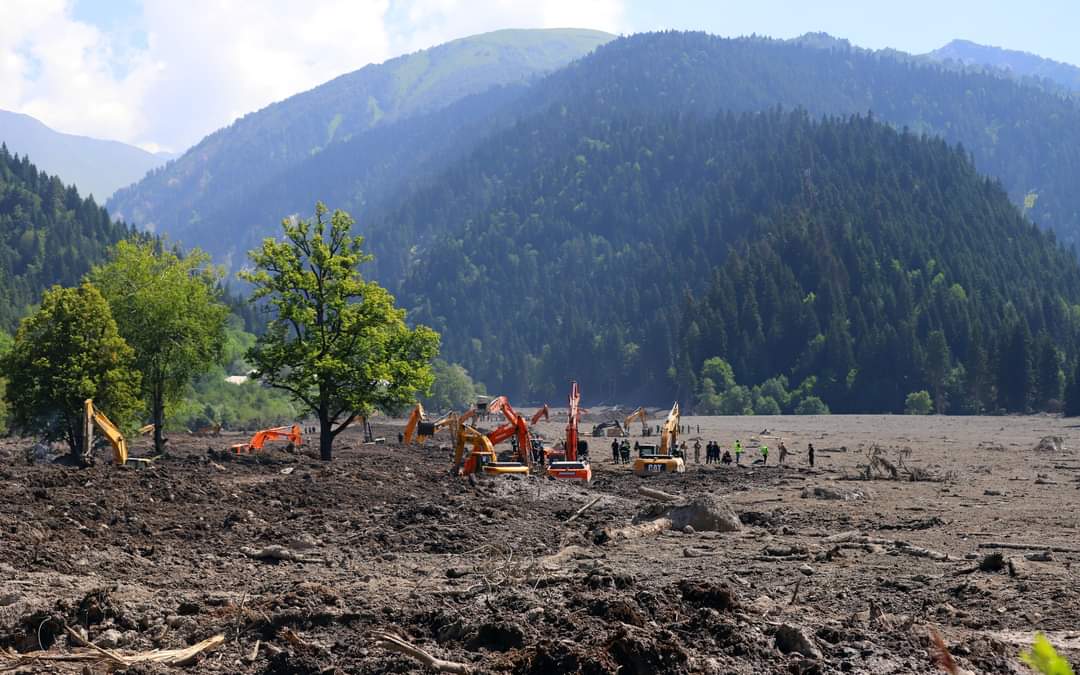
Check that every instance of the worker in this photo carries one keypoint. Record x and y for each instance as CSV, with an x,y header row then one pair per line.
x,y
697,451
400,437
783,452
738,451
624,451
615,451
726,459
765,455
810,452
683,450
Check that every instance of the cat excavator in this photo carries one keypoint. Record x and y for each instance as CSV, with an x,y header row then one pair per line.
x,y
261,437
642,415
663,460
572,467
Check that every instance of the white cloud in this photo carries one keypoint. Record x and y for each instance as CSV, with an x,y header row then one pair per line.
x,y
206,62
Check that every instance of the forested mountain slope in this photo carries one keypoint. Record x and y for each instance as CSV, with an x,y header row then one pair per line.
x,y
1015,63
233,188
231,165
96,167
48,235
626,250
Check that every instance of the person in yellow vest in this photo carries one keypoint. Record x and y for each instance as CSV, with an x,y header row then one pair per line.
x,y
738,450
765,455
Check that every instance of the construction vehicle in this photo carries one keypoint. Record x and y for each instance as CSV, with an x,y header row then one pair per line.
x,y
261,437
609,429
481,459
642,415
93,417
662,459
516,427
417,418
572,467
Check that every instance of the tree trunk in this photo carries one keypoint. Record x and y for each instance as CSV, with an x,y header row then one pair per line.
x,y
158,415
326,438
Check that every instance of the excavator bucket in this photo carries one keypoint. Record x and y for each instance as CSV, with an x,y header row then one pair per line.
x,y
425,429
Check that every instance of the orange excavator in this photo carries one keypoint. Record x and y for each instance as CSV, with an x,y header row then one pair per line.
x,y
482,459
290,434
572,467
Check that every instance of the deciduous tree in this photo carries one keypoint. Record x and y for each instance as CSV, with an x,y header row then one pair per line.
x,y
336,342
67,351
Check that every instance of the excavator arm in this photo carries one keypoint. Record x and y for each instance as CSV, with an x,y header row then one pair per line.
x,y
639,414
94,417
572,422
544,412
415,418
290,434
669,434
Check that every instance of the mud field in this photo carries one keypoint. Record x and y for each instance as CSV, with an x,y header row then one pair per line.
x,y
839,568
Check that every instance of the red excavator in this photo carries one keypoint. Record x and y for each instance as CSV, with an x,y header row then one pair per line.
x,y
573,467
290,434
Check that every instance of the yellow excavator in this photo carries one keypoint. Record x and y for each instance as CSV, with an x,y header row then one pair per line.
x,y
419,429
93,417
662,459
642,415
482,458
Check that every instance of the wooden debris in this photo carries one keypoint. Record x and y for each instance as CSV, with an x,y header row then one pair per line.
x,y
1029,547
657,494
582,510
95,654
277,552
395,644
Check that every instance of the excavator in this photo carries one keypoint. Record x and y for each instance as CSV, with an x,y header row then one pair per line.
x,y
290,434
571,468
663,460
482,459
516,426
93,417
417,418
642,415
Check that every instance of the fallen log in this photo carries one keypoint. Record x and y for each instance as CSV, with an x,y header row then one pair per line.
x,y
1029,547
395,644
657,494
637,531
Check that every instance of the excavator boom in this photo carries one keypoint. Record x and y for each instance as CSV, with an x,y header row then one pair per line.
x,y
94,417
573,467
290,434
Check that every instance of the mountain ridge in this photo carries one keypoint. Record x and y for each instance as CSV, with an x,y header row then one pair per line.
x,y
96,166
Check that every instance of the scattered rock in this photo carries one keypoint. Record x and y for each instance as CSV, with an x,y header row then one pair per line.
x,y
791,639
807,570
832,493
1050,444
110,639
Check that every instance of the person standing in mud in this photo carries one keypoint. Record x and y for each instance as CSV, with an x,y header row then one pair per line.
x,y
810,453
615,451
765,455
783,453
738,451
697,452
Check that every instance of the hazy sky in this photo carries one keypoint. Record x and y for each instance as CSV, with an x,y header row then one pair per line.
x,y
164,73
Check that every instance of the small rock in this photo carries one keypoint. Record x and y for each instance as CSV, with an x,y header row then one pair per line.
x,y
806,569
1042,556
688,529
992,493
110,639
791,639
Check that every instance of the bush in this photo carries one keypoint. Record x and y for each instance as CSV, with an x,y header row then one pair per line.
x,y
811,405
766,405
918,403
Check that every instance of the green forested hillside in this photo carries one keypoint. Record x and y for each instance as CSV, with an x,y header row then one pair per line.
x,y
48,235
191,197
628,250
234,187
1009,62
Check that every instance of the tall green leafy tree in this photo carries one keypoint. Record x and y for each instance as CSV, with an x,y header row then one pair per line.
x,y
335,341
67,351
169,309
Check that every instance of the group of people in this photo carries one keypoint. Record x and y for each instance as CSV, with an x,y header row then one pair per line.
x,y
712,453
620,452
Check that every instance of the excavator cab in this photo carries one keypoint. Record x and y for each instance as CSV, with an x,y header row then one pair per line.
x,y
653,460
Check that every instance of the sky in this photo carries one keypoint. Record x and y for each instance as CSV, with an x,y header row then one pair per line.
x,y
162,74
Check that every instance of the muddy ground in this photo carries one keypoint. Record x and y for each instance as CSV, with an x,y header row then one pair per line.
x,y
492,574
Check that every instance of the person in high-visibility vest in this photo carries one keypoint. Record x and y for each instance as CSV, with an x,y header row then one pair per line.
x,y
764,454
738,450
